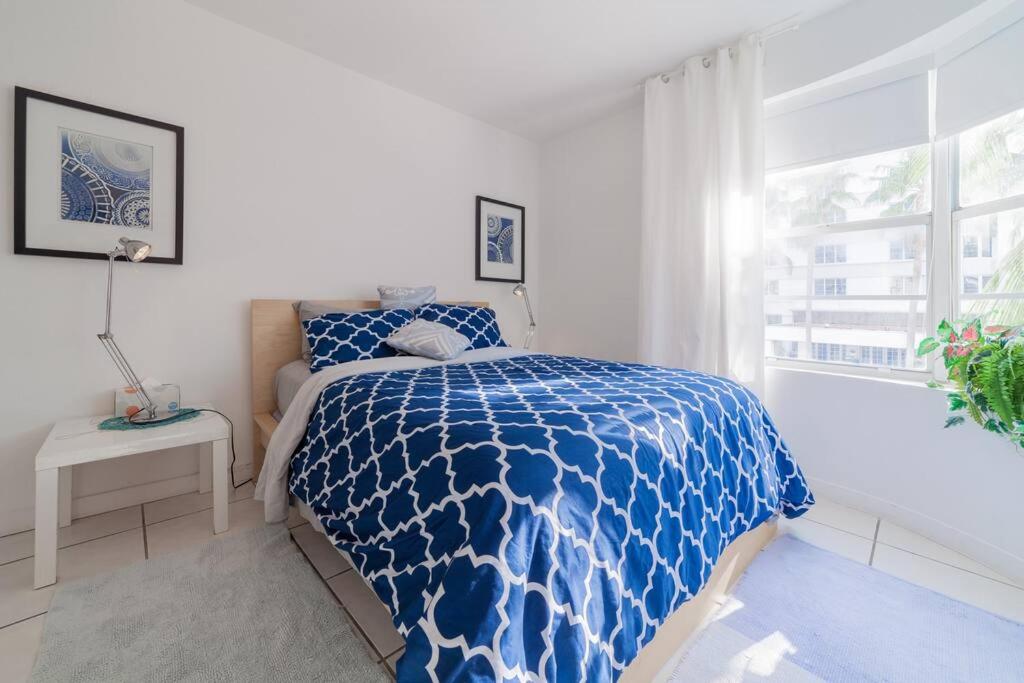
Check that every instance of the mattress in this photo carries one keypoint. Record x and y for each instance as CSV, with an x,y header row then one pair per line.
x,y
286,384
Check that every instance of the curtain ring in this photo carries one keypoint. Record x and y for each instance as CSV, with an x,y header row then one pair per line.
x,y
665,78
706,62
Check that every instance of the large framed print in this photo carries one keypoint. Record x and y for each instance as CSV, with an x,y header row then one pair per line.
x,y
500,241
85,176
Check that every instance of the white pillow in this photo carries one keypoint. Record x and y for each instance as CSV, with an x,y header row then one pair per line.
x,y
429,339
406,297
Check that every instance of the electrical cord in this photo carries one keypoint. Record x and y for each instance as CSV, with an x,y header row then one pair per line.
x,y
231,436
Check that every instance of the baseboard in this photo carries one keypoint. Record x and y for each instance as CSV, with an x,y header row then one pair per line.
x,y
85,506
994,557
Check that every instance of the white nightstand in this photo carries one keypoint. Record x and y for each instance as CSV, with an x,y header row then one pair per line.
x,y
73,442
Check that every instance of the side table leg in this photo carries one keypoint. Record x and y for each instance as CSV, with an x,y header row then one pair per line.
x,y
220,486
65,496
47,500
205,467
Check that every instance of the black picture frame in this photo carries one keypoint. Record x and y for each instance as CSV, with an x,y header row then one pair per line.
x,y
522,240
21,97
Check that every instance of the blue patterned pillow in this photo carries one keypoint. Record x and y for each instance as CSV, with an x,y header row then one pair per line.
x,y
475,323
343,337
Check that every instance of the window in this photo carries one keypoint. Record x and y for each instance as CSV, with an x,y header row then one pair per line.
x,y
830,286
847,243
902,249
772,287
902,284
989,219
830,253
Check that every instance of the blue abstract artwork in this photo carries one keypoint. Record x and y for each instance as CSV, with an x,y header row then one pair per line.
x,y
501,233
104,180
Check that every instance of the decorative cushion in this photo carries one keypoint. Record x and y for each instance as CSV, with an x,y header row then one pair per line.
x,y
406,297
344,337
311,309
475,323
430,340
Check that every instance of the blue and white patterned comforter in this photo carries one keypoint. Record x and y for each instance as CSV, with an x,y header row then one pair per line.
x,y
538,517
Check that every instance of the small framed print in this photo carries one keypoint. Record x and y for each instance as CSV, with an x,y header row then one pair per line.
x,y
85,176
500,241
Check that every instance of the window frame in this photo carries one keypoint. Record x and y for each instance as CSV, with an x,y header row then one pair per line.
x,y
944,258
822,232
959,214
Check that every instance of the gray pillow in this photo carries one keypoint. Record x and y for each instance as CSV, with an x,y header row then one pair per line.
x,y
429,339
406,297
310,309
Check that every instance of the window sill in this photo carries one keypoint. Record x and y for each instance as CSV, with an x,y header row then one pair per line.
x,y
915,378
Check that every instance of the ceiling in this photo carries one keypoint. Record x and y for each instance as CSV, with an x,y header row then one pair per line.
x,y
532,67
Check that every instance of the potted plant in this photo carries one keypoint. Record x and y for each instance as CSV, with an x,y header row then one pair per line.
x,y
985,365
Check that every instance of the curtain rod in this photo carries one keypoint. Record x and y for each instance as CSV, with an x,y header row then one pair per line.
x,y
767,35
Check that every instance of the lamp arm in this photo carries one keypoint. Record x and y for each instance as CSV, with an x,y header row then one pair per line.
x,y
116,355
533,323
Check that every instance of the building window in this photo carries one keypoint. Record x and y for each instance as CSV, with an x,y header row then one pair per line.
x,y
970,246
857,291
902,250
830,253
772,287
902,284
830,286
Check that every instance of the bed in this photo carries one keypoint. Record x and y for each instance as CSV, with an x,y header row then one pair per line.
x,y
521,515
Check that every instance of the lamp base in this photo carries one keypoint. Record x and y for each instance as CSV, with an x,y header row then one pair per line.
x,y
123,423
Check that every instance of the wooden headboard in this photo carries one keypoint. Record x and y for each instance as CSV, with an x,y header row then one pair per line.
x,y
277,341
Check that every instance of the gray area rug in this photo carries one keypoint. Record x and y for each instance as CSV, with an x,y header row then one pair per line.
x,y
802,614
244,608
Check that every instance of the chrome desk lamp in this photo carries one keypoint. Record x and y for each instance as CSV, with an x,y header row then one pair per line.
x,y
520,290
134,251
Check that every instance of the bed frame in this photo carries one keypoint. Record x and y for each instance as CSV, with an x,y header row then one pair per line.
x,y
277,341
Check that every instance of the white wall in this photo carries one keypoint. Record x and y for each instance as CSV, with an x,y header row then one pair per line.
x,y
302,179
875,445
591,181
880,446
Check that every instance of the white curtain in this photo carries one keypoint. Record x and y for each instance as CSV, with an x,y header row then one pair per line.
x,y
701,294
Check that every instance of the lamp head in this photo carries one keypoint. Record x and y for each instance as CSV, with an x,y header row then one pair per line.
x,y
135,250
520,290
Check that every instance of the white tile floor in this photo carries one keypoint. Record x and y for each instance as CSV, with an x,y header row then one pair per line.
x,y
114,539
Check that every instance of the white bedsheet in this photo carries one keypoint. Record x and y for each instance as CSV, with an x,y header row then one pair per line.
x,y
272,487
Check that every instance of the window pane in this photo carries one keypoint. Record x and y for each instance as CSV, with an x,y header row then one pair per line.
x,y
875,333
867,262
994,267
992,160
896,183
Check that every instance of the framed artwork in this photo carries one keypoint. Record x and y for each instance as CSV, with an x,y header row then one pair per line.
x,y
500,241
85,176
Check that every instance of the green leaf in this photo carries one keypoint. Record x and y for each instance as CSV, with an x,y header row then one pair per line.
x,y
927,345
954,420
956,402
932,384
945,331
